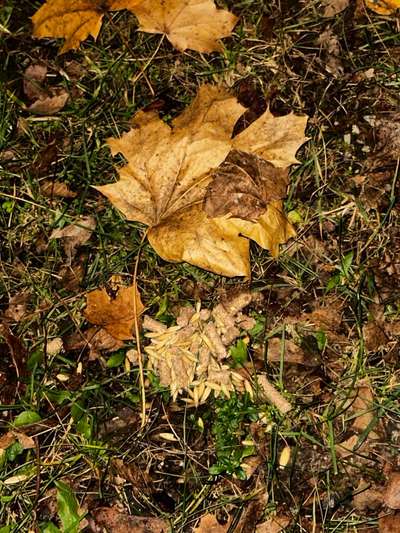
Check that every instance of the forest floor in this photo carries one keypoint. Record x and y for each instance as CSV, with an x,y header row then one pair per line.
x,y
326,311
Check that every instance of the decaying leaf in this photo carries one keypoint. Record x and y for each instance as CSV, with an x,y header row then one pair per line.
x,y
98,340
209,524
195,24
115,521
34,76
190,357
10,437
333,7
383,7
115,313
17,306
46,100
169,169
52,189
391,495
75,235
276,524
74,20
49,105
286,350
243,186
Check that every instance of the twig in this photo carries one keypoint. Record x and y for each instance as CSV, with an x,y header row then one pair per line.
x,y
273,395
137,333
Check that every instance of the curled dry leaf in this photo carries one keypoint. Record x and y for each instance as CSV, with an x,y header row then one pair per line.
x,y
389,523
115,313
195,24
383,7
169,169
333,7
74,20
276,524
209,524
286,350
51,189
391,496
113,520
46,100
49,105
190,357
34,76
75,235
17,306
98,340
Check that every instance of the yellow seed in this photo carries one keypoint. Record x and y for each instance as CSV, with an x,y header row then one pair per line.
x,y
284,457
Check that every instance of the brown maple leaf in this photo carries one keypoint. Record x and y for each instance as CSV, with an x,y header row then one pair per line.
x,y
194,24
116,313
74,20
169,169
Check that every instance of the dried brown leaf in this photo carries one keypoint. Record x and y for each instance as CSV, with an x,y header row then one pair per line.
x,y
276,524
389,523
75,235
49,105
74,20
115,313
195,24
51,189
98,340
287,350
209,524
115,521
334,7
34,76
391,496
243,186
17,306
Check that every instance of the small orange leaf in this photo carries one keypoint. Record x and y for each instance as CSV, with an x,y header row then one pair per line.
x,y
117,314
383,7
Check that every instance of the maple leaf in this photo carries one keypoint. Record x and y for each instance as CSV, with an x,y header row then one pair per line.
x,y
116,314
194,24
169,169
74,20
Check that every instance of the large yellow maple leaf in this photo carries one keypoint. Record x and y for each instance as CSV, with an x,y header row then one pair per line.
x,y
169,169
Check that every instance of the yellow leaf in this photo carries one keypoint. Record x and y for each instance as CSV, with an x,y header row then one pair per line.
x,y
169,169
117,314
74,20
195,24
383,7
